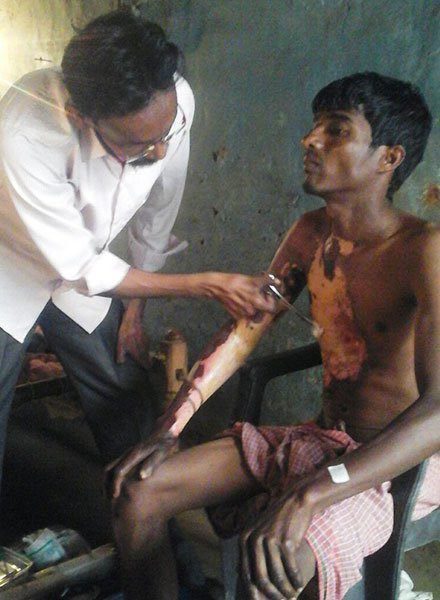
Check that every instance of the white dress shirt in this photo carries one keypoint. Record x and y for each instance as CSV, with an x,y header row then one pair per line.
x,y
63,198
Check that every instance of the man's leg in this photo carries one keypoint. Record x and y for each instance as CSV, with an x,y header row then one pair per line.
x,y
11,360
201,476
118,399
194,478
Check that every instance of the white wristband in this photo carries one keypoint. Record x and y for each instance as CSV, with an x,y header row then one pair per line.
x,y
339,473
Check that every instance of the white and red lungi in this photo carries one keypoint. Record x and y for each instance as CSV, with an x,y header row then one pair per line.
x,y
342,535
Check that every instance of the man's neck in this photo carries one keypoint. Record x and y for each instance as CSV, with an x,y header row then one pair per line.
x,y
364,219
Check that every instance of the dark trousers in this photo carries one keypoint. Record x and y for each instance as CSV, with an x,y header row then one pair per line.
x,y
118,399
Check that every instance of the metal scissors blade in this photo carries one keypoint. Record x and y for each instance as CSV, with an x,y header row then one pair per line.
x,y
272,288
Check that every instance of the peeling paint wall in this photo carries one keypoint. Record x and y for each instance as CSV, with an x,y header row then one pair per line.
x,y
33,33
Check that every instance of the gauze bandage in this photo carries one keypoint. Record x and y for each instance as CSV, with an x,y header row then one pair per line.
x,y
338,473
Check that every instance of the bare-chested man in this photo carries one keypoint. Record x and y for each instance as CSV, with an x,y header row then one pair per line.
x,y
373,273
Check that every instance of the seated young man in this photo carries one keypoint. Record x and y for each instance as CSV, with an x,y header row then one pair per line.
x,y
373,275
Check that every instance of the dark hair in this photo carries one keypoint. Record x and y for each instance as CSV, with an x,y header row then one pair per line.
x,y
396,111
116,64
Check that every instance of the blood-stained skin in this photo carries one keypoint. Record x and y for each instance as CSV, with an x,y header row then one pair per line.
x,y
331,252
183,396
343,348
226,352
218,339
292,259
168,420
294,281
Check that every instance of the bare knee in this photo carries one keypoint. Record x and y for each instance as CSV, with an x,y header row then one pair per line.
x,y
139,501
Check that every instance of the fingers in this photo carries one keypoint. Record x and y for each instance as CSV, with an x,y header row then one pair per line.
x,y
246,578
148,467
159,453
291,565
114,482
265,303
131,336
242,311
277,571
254,593
243,295
263,577
138,348
270,567
250,304
137,345
143,458
110,466
254,566
119,470
257,297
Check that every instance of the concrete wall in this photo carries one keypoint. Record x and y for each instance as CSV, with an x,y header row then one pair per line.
x,y
255,67
33,33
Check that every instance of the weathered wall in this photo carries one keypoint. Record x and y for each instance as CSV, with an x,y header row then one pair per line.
x,y
255,67
33,33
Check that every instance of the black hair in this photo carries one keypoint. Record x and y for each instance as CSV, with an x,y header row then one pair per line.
x,y
115,65
396,111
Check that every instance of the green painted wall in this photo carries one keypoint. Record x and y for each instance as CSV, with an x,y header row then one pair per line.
x,y
255,67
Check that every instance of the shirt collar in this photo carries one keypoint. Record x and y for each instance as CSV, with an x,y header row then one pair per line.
x,y
91,147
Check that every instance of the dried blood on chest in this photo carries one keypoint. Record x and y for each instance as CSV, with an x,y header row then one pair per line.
x,y
342,345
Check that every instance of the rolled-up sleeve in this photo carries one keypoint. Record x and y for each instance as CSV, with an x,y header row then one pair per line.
x,y
46,224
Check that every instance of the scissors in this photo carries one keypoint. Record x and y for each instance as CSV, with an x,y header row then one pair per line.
x,y
272,289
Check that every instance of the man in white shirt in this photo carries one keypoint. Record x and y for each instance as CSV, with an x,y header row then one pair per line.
x,y
82,151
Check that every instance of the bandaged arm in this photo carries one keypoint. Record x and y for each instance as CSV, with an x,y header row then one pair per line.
x,y
231,346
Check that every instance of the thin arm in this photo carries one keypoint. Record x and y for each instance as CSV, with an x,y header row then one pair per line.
x,y
231,346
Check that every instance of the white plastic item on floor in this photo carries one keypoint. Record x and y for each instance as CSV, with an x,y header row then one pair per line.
x,y
406,589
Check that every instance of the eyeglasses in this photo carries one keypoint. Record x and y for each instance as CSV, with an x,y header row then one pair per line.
x,y
177,127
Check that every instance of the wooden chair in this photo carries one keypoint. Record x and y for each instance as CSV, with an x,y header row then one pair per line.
x,y
381,569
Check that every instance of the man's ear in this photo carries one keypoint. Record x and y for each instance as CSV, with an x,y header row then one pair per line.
x,y
392,157
78,120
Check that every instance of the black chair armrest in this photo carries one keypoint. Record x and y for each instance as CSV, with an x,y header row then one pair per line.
x,y
382,569
423,531
256,373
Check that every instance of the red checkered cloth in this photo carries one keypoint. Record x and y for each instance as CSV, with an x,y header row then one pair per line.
x,y
342,535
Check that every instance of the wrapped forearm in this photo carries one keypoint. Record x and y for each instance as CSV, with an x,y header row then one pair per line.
x,y
226,352
231,346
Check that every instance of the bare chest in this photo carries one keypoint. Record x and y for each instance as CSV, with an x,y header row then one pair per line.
x,y
362,304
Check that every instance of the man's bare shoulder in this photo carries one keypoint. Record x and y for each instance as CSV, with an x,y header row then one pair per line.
x,y
315,222
301,240
421,236
420,248
429,235
425,246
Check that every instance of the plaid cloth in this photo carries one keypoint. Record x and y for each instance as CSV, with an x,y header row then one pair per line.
x,y
342,535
